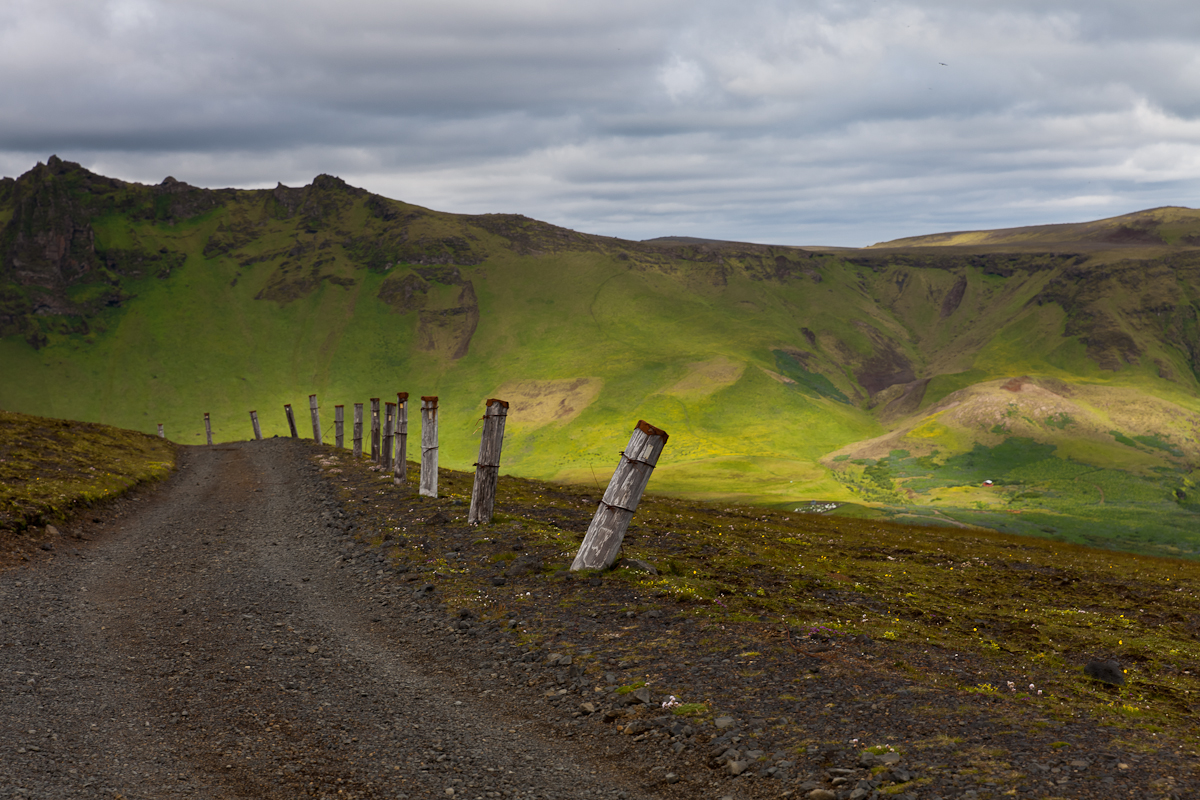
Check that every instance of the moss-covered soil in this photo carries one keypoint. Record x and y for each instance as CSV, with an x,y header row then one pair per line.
x,y
963,649
51,468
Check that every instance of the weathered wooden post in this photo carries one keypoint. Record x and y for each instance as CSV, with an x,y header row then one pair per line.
x,y
603,540
487,469
358,423
254,422
400,469
316,418
429,447
207,428
162,434
375,429
389,418
287,409
339,423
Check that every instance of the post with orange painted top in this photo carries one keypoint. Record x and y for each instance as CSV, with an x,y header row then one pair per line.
x,y
400,470
487,468
429,447
602,542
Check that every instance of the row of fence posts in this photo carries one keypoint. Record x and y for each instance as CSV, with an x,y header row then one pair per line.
x,y
389,448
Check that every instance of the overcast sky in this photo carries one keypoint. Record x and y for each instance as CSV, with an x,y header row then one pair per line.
x,y
840,123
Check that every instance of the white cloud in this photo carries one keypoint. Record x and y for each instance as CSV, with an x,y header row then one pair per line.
x,y
681,78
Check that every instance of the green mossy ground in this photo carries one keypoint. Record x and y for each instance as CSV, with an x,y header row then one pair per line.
x,y
49,468
966,613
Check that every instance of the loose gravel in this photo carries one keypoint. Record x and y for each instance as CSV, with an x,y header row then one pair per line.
x,y
240,632
210,642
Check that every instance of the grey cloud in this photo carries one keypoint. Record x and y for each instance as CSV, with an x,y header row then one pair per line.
x,y
821,121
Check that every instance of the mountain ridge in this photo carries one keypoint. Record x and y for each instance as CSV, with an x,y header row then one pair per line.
x,y
133,304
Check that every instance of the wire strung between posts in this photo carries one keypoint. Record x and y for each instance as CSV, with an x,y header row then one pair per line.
x,y
618,508
637,461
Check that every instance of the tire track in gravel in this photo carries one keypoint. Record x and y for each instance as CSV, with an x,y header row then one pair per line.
x,y
212,647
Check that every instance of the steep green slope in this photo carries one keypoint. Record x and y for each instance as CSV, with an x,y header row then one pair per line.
x,y
273,295
134,305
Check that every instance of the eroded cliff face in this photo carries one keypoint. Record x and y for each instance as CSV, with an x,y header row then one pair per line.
x,y
49,241
49,244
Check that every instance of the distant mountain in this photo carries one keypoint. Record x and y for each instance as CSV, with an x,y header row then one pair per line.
x,y
1170,226
897,377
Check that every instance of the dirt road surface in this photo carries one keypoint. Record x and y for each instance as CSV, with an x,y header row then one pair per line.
x,y
208,644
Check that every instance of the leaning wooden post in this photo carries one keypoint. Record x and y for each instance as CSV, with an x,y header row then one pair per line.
x,y
287,409
389,417
254,422
316,418
487,469
339,422
375,429
429,447
603,540
358,423
162,434
207,428
400,467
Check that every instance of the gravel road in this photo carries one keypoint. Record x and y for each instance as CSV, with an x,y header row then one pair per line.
x,y
210,643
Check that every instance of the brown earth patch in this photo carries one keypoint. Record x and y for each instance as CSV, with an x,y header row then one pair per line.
x,y
707,377
533,404
954,297
775,376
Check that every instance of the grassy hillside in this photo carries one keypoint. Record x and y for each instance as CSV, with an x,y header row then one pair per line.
x,y
135,305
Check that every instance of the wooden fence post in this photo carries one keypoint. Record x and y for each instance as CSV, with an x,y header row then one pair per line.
x,y
487,469
400,468
316,418
254,422
339,424
207,428
162,434
429,447
287,409
603,540
389,418
375,429
358,423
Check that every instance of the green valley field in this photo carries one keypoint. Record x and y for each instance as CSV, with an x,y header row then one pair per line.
x,y
1058,363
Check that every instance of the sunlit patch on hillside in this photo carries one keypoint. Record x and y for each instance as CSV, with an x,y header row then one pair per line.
x,y
1101,425
533,404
